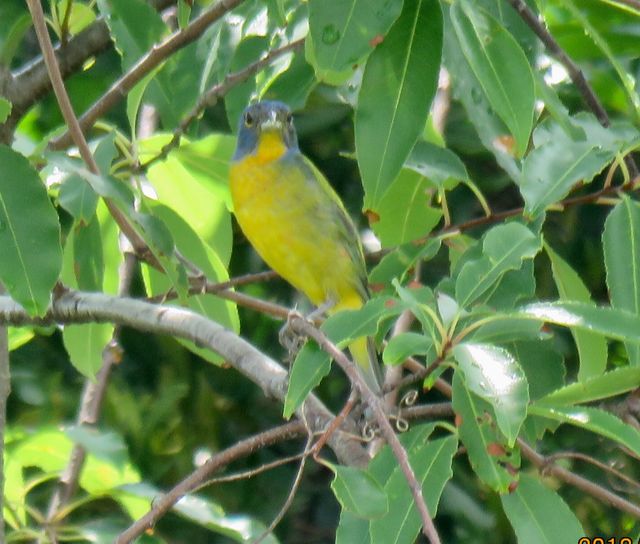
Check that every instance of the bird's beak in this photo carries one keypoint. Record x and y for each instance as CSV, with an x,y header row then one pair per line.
x,y
272,122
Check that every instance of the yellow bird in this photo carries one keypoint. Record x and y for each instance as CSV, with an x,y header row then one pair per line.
x,y
296,222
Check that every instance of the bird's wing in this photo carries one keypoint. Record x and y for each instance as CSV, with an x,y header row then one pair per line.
x,y
338,217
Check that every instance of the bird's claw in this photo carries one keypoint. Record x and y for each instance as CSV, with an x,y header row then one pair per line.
x,y
290,339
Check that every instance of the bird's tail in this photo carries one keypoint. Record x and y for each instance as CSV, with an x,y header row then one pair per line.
x,y
364,354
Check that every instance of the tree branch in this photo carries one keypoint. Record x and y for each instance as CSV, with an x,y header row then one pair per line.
x,y
161,505
78,307
156,55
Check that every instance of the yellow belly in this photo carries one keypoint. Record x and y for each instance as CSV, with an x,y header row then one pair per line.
x,y
277,215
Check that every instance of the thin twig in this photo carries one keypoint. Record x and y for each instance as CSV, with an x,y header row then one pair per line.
x,y
164,503
74,127
595,462
246,474
156,55
545,466
200,285
375,403
210,97
291,495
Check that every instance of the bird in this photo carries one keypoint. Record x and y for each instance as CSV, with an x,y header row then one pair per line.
x,y
297,223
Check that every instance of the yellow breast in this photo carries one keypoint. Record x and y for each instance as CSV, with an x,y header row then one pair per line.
x,y
277,213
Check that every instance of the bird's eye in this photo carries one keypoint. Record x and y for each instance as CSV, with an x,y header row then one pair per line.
x,y
248,119
289,118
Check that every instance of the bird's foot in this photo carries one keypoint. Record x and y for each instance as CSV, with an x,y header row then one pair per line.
x,y
289,339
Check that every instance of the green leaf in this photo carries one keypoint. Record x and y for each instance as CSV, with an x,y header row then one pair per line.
x,y
78,198
539,515
616,324
438,164
542,364
594,420
85,343
487,124
609,384
5,109
342,33
80,17
352,529
398,85
550,171
29,234
88,260
493,374
431,463
106,445
196,251
347,325
202,197
358,492
621,243
404,345
397,262
404,210
500,66
592,348
479,435
294,85
19,337
504,248
309,367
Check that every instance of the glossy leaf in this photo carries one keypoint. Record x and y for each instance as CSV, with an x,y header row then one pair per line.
x,y
504,248
405,212
592,347
610,322
397,262
358,492
29,234
609,384
309,367
398,84
594,420
500,67
621,242
477,434
539,515
493,374
343,32
78,198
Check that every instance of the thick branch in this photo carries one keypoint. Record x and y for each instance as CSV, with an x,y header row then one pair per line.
x,y
158,54
74,307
